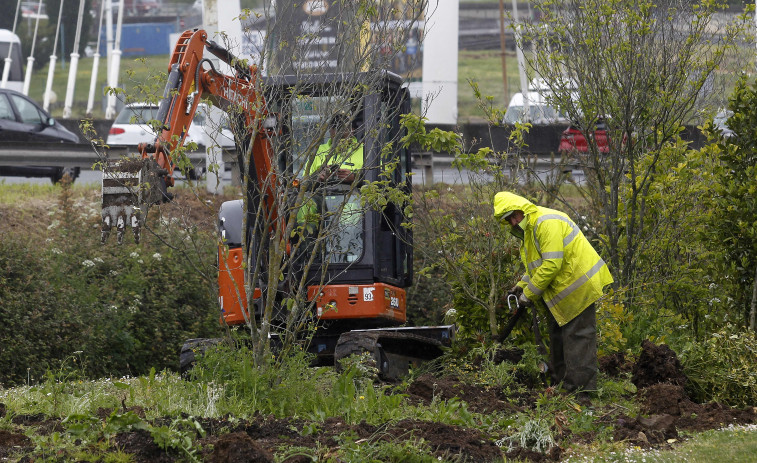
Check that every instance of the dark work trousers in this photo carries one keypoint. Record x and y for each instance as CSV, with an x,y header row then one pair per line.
x,y
573,351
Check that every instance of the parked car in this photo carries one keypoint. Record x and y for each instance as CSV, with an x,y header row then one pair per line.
x,y
24,121
539,111
132,127
572,139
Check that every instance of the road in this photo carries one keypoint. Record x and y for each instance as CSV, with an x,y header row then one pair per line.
x,y
442,173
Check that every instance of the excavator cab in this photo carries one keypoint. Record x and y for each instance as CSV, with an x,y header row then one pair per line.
x,y
361,256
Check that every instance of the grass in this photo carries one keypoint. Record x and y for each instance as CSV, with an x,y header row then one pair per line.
x,y
733,444
485,67
292,389
15,193
134,71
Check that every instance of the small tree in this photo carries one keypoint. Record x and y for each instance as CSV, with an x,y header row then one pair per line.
x,y
289,234
352,43
734,218
466,245
643,68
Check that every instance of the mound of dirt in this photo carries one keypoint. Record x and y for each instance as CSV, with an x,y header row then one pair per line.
x,y
523,454
614,365
238,447
269,433
142,447
512,355
646,432
673,400
13,442
666,408
657,364
427,387
446,440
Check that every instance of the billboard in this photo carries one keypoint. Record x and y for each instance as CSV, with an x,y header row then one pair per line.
x,y
318,36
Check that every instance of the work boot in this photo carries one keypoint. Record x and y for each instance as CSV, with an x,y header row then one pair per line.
x,y
583,399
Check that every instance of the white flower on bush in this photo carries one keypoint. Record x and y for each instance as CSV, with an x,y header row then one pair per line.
x,y
98,260
88,263
157,256
134,254
140,261
113,273
56,251
53,224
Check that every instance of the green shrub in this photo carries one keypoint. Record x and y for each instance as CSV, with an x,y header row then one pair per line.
x,y
124,308
722,368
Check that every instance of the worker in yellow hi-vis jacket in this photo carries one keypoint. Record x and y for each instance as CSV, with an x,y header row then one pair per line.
x,y
564,272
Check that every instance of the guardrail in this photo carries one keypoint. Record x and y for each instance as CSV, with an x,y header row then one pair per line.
x,y
84,156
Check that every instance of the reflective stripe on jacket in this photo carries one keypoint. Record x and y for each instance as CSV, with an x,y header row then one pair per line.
x,y
562,267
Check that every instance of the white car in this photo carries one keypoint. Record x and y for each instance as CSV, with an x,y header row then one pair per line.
x,y
132,127
539,110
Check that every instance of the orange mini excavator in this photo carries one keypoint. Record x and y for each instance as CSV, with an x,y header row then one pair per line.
x,y
355,278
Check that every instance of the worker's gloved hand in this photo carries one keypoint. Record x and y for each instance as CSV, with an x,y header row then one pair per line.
x,y
523,301
517,290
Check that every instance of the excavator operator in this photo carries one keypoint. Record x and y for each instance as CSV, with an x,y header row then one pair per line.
x,y
337,162
342,155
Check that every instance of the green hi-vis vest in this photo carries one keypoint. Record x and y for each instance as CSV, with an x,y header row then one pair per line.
x,y
352,161
562,267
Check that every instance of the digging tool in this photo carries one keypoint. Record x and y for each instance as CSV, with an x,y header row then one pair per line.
x,y
517,313
544,365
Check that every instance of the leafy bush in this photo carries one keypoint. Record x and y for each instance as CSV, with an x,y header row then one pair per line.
x,y
722,368
611,317
125,309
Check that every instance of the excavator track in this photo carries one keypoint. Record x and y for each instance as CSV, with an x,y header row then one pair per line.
x,y
392,351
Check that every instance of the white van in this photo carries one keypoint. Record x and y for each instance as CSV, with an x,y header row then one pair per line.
x,y
10,41
539,111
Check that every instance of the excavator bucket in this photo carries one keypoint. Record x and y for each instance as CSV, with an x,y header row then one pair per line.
x,y
129,187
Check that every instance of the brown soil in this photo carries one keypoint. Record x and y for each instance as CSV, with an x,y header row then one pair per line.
x,y
666,408
483,400
614,365
657,364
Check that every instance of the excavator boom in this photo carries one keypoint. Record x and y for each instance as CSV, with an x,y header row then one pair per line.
x,y
131,185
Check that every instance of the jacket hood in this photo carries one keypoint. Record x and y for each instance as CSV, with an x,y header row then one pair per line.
x,y
505,201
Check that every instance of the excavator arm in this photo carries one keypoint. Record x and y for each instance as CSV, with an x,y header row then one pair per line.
x,y
130,186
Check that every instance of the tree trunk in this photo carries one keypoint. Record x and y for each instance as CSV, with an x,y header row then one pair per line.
x,y
753,309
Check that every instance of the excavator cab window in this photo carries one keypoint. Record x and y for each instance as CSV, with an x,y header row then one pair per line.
x,y
359,245
310,123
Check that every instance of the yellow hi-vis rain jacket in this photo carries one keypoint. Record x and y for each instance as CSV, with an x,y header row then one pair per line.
x,y
562,267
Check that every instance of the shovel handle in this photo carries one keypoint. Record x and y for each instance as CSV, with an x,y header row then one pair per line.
x,y
519,309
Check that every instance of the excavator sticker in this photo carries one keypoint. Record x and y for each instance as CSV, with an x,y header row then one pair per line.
x,y
368,294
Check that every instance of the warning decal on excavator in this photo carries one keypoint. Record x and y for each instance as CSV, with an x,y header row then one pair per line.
x,y
368,294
